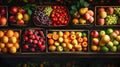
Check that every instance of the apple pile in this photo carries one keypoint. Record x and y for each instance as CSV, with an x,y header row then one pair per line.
x,y
33,40
9,41
67,41
18,16
83,16
107,15
3,16
105,40
51,16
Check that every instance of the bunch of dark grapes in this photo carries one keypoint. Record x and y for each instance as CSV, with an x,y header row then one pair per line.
x,y
40,17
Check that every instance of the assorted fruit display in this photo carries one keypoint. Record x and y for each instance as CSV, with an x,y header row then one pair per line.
x,y
81,14
3,16
107,15
9,41
67,41
33,40
105,40
51,16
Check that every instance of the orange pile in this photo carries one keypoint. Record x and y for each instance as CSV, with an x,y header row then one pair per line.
x,y
9,41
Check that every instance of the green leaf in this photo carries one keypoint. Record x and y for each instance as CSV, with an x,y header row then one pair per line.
x,y
86,4
78,5
73,7
29,12
72,11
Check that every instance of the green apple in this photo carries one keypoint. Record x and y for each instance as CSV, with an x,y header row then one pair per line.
x,y
115,42
54,32
79,34
56,43
118,47
102,33
105,49
109,30
114,49
109,44
59,48
84,34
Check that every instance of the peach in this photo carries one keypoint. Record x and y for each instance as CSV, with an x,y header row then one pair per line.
x,y
101,9
101,21
91,19
87,16
90,12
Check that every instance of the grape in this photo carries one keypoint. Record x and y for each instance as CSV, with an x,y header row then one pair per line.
x,y
111,19
40,17
48,10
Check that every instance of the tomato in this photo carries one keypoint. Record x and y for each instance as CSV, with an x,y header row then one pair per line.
x,y
52,15
54,7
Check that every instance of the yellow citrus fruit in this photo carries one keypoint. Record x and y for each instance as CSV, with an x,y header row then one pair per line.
x,y
94,48
10,33
2,45
25,17
5,39
13,39
1,33
9,45
16,34
16,45
4,50
12,50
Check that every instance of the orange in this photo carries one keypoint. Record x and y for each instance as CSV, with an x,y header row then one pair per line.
x,y
85,39
84,44
65,36
16,45
2,45
80,40
1,33
12,50
94,48
66,40
13,39
3,21
67,33
73,36
50,41
10,33
4,50
72,33
55,37
16,34
49,35
8,45
5,39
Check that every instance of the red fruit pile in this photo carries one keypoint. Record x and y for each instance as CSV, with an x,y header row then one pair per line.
x,y
3,15
59,15
34,40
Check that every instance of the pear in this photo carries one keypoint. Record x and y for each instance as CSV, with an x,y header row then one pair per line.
x,y
26,17
83,10
19,16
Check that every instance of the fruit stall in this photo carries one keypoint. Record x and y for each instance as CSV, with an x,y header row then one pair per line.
x,y
37,33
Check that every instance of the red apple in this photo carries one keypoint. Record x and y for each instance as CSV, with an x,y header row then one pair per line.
x,y
20,22
35,41
30,40
42,47
101,9
12,19
95,41
25,46
3,21
32,49
95,34
13,10
39,43
110,10
25,38
101,21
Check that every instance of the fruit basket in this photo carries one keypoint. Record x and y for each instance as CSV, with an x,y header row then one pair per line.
x,y
33,40
66,41
20,15
3,15
51,16
107,16
10,41
82,14
105,40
